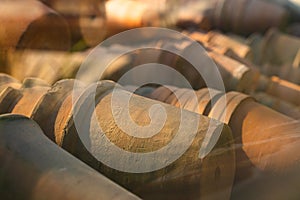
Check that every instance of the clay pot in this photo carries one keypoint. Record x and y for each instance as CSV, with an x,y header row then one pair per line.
x,y
41,28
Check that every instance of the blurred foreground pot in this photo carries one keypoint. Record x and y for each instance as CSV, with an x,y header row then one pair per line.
x,y
32,167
